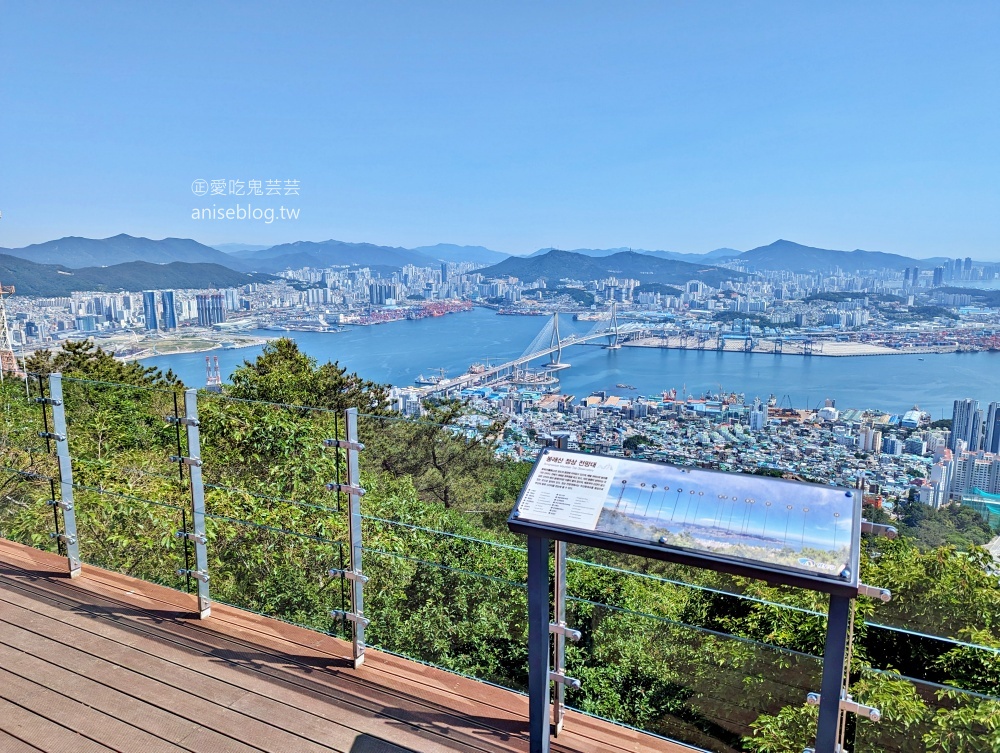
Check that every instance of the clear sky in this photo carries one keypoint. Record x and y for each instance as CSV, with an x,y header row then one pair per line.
x,y
514,125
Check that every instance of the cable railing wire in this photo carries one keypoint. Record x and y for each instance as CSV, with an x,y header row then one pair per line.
x,y
273,529
128,497
122,385
707,631
270,404
412,526
438,565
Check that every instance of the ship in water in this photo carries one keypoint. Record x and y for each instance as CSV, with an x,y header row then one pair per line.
x,y
439,376
623,386
540,380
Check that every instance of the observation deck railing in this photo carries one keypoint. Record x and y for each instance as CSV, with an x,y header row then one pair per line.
x,y
252,504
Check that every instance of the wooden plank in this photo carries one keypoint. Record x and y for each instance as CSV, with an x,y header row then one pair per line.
x,y
620,738
431,704
84,677
77,715
11,744
330,710
169,708
43,734
280,636
261,660
34,559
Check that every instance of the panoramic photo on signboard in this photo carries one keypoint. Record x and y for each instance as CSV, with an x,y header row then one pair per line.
x,y
806,527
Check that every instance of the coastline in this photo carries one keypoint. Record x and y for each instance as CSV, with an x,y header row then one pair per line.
x,y
822,348
249,343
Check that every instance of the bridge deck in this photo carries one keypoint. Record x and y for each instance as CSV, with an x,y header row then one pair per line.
x,y
106,662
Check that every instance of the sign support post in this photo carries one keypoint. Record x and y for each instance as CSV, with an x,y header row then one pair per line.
x,y
782,532
538,644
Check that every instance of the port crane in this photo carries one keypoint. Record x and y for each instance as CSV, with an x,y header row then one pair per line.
x,y
8,361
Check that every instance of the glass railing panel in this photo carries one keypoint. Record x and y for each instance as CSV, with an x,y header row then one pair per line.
x,y
702,688
448,615
133,535
274,530
447,580
275,572
28,465
918,716
131,500
120,433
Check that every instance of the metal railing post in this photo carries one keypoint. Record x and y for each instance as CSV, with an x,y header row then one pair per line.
x,y
65,501
197,533
561,632
357,584
539,628
352,571
559,647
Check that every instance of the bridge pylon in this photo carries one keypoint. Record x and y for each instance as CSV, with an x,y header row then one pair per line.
x,y
613,337
555,342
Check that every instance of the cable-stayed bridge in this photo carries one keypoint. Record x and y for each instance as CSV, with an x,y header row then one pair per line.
x,y
547,342
611,334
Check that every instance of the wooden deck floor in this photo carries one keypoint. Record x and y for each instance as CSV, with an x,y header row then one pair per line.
x,y
106,662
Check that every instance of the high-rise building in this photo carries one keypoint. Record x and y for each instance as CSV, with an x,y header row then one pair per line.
x,y
149,309
380,293
204,315
211,309
991,433
218,305
444,271
892,445
966,424
976,470
758,415
169,320
938,276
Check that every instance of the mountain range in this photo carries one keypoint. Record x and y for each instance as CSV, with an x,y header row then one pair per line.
x,y
556,264
30,278
77,252
794,257
74,253
718,255
330,253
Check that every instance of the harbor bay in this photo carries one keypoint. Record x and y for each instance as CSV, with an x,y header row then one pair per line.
x,y
398,353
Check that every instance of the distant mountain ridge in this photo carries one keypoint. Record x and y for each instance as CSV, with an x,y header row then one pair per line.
x,y
232,248
451,252
557,264
30,278
794,257
330,253
718,254
75,252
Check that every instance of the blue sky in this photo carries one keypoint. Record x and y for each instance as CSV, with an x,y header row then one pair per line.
x,y
661,125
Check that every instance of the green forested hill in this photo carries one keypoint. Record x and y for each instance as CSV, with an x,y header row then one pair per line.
x,y
30,278
557,264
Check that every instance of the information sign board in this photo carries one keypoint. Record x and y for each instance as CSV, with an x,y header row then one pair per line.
x,y
777,530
